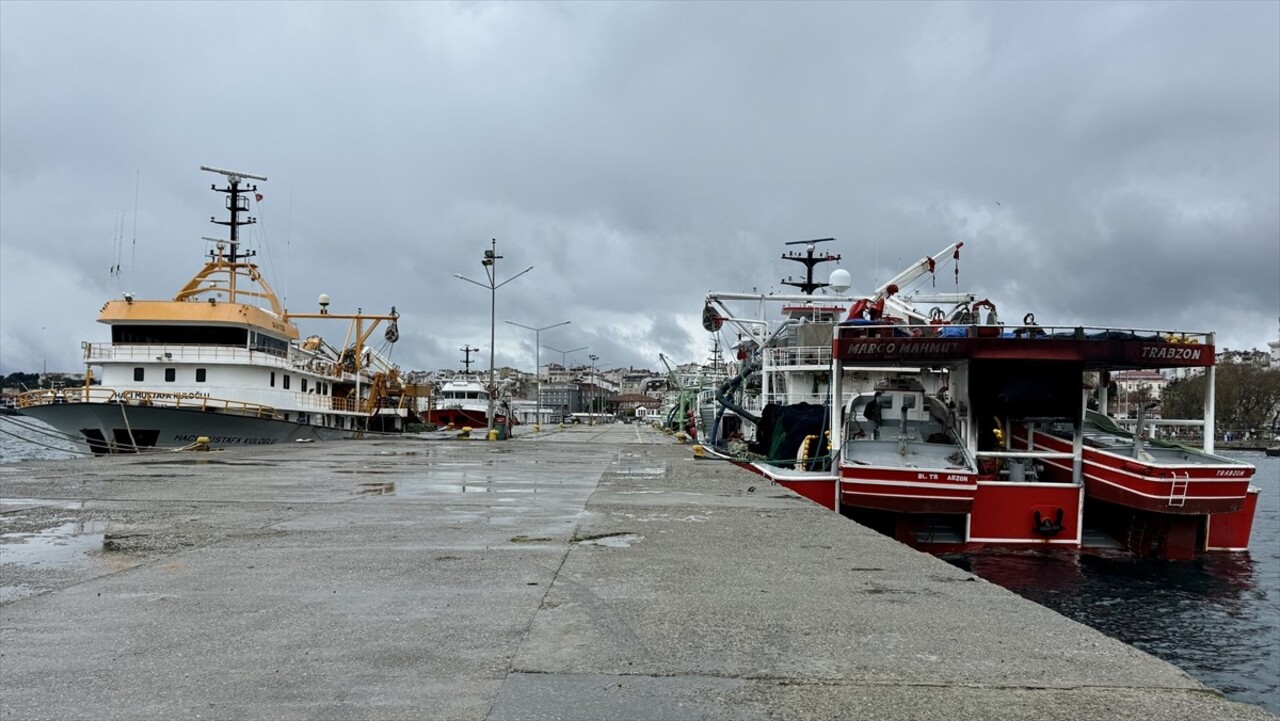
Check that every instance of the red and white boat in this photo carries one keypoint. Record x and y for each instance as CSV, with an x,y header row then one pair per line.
x,y
463,402
1007,453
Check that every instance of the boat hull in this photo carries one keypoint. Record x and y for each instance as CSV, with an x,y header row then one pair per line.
x,y
1186,489
461,417
906,491
113,427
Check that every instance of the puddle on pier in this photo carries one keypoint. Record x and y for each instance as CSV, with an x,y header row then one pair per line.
x,y
376,489
612,540
63,546
641,471
28,503
207,462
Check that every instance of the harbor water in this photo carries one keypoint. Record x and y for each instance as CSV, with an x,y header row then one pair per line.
x,y
1217,618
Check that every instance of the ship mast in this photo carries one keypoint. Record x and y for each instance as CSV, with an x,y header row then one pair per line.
x,y
237,203
467,360
807,286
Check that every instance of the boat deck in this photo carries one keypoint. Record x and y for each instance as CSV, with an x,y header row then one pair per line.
x,y
1153,453
912,452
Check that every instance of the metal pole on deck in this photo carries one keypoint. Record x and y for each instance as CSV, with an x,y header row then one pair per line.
x,y
1210,383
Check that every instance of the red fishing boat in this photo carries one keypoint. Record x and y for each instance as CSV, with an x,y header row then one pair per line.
x,y
1007,452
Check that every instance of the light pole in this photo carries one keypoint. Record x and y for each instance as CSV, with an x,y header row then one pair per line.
x,y
591,411
537,359
490,263
564,353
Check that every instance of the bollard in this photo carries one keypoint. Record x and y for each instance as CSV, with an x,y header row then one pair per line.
x,y
201,444
536,428
493,434
699,451
681,438
466,432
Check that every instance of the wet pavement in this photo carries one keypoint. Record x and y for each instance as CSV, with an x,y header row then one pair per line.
x,y
579,573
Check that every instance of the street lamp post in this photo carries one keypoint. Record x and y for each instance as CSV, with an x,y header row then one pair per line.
x,y
594,389
565,353
490,263
537,359
563,364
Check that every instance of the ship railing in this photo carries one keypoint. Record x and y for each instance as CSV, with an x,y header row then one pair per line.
x,y
196,401
325,403
75,394
99,394
99,352
990,462
797,356
184,353
1030,330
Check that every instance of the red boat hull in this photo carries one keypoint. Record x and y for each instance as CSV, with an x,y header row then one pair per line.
x,y
906,491
1183,489
460,417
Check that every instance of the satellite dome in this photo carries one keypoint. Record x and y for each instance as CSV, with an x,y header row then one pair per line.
x,y
840,280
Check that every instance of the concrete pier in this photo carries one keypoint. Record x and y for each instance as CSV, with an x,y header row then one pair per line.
x,y
585,573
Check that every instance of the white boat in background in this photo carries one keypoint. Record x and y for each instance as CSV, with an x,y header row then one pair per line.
x,y
463,402
223,361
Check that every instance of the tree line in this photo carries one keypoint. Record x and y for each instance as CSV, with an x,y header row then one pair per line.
x,y
31,381
1247,398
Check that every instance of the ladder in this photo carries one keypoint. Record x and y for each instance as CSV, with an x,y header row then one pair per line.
x,y
1178,490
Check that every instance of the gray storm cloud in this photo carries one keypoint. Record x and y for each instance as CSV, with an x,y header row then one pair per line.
x,y
1103,163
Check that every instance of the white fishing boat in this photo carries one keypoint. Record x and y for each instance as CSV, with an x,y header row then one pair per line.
x,y
223,363
463,402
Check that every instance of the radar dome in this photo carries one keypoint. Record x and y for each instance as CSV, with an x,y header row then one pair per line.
x,y
840,280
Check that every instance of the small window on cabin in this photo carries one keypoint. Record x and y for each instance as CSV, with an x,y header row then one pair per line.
x,y
273,379
304,385
908,401
286,381
139,374
170,375
200,375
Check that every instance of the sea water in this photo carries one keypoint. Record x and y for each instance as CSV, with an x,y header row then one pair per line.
x,y
23,438
1216,617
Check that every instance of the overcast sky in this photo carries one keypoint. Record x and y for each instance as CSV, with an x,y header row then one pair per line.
x,y
1104,163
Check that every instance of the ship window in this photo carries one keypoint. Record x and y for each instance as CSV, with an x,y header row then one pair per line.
x,y
304,385
170,375
286,381
139,374
200,375
178,335
273,379
267,344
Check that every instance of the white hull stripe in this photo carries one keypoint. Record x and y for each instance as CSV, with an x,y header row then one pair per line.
x,y
906,496
911,484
